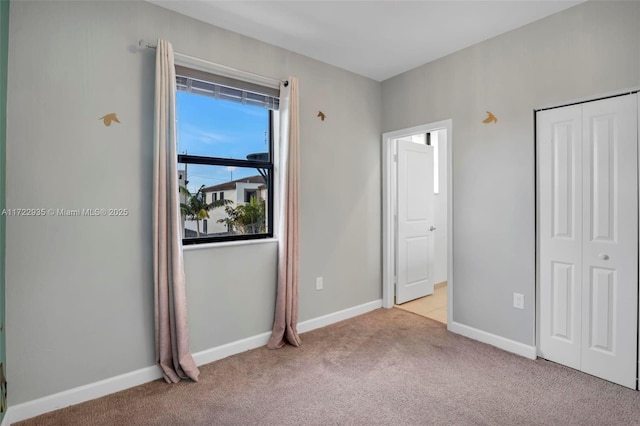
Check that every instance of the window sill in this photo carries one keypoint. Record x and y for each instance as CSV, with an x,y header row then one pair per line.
x,y
192,247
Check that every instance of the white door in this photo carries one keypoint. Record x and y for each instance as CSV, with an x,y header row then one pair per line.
x,y
610,236
560,212
415,221
588,159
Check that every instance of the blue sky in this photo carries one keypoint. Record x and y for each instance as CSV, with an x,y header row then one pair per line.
x,y
211,127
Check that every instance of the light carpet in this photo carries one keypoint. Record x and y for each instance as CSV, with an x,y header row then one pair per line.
x,y
386,367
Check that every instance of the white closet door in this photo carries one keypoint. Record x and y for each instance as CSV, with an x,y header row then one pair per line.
x,y
588,212
610,235
560,182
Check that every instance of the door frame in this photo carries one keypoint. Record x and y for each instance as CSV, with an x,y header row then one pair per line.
x,y
388,201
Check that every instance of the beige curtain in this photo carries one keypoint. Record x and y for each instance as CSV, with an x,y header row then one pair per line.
x,y
286,317
172,336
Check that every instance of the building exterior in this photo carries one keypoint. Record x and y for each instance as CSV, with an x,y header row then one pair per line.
x,y
239,191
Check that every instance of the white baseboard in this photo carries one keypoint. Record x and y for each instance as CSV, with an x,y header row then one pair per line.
x,y
329,319
223,351
80,394
101,388
493,340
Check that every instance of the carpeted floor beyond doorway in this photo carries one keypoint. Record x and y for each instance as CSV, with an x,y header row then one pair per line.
x,y
386,367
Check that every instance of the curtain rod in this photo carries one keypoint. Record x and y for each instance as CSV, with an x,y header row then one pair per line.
x,y
191,59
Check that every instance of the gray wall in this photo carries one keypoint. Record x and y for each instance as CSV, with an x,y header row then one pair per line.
x,y
587,50
79,289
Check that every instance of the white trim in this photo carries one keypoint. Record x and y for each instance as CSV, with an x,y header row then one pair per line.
x,y
342,315
224,70
388,191
536,212
450,229
388,229
194,247
590,98
83,393
423,128
508,345
219,352
101,388
239,346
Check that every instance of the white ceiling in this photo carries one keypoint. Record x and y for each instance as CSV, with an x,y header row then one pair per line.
x,y
376,39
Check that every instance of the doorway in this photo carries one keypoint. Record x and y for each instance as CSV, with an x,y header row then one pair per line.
x,y
438,137
433,306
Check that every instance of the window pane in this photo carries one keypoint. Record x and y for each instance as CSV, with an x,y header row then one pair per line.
x,y
218,194
216,128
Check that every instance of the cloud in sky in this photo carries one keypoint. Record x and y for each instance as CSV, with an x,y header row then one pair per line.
x,y
192,133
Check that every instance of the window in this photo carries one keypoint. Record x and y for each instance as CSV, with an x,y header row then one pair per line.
x,y
248,195
225,156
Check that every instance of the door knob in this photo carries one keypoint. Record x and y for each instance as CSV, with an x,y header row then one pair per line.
x,y
433,228
603,256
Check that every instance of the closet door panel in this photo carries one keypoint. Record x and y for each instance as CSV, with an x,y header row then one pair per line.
x,y
560,198
610,239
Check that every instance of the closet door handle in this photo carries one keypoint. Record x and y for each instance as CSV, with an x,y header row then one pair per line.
x,y
603,256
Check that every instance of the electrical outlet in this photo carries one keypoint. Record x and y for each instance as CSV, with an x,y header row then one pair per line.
x,y
319,284
518,301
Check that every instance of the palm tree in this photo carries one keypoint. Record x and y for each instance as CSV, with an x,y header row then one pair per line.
x,y
252,217
246,218
196,208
